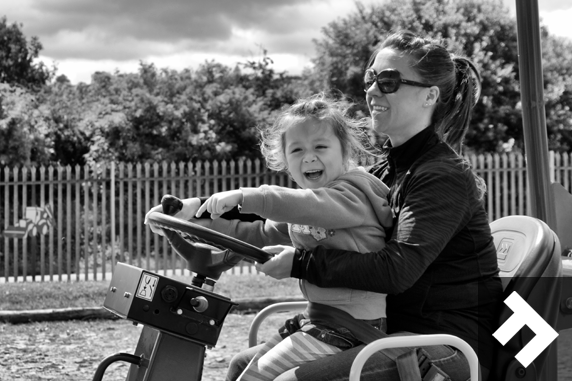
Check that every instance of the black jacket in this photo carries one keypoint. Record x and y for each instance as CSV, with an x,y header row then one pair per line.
x,y
440,265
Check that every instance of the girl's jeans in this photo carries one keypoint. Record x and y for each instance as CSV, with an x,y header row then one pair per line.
x,y
378,367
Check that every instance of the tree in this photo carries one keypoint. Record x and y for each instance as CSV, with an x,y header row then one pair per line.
x,y
64,106
17,56
23,128
481,30
158,114
557,65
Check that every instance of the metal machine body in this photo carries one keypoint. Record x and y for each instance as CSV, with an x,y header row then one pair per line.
x,y
166,357
180,320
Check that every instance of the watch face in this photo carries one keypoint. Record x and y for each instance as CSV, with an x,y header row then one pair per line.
x,y
147,286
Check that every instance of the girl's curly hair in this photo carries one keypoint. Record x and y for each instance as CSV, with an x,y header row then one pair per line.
x,y
351,132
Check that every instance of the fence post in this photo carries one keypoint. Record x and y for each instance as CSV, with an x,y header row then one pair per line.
x,y
77,220
551,166
59,221
24,241
112,213
6,223
156,175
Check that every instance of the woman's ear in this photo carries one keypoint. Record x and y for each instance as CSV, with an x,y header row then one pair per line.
x,y
432,95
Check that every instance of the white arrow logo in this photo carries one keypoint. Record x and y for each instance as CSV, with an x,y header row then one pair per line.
x,y
523,315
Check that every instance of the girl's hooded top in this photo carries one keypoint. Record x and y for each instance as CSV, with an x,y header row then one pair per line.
x,y
349,213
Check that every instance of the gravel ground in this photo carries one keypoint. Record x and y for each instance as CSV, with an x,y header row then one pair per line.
x,y
72,350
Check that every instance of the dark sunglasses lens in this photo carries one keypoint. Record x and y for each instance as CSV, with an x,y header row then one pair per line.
x,y
387,81
388,86
368,79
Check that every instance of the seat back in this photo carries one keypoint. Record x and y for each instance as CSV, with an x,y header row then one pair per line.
x,y
529,260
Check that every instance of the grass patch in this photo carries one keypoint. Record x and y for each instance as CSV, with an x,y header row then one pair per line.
x,y
47,295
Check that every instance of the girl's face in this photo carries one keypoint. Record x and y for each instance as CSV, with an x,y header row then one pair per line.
x,y
313,154
401,114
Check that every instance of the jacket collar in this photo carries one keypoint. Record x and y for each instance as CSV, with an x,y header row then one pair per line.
x,y
406,154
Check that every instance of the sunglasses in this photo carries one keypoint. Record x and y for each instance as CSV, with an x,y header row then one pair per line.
x,y
388,81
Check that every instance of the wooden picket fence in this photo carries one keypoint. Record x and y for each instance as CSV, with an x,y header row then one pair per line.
x,y
98,211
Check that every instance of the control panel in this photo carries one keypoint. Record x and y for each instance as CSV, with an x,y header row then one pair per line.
x,y
166,304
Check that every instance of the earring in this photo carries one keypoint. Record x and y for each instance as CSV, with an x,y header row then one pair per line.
x,y
426,104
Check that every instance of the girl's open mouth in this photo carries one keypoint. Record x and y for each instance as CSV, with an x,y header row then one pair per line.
x,y
313,175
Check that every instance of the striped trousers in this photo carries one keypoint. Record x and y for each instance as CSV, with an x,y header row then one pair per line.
x,y
279,355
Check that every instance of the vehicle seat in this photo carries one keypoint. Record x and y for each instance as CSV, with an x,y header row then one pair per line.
x,y
529,258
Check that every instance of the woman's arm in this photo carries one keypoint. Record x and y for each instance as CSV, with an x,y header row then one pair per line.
x,y
435,206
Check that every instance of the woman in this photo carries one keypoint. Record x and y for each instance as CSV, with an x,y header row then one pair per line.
x,y
439,265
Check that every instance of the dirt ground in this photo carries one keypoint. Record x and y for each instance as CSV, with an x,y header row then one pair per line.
x,y
72,350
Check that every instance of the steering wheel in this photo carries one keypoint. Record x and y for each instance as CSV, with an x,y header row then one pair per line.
x,y
192,241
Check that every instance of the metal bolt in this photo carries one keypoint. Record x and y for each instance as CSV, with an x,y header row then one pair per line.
x,y
113,289
179,311
127,295
211,322
569,303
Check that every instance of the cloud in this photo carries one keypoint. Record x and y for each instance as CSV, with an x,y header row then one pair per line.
x,y
555,5
544,5
133,29
81,70
117,34
84,36
558,21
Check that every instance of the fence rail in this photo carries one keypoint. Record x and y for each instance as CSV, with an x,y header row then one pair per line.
x,y
97,212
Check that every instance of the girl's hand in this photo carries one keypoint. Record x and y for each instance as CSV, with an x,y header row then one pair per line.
x,y
280,266
190,206
220,203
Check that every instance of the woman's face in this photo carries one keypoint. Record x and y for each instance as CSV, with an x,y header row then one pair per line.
x,y
314,154
402,114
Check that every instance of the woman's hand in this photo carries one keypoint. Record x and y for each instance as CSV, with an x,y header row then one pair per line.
x,y
280,266
190,207
220,203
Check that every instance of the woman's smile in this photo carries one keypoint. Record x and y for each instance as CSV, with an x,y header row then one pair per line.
x,y
375,109
378,108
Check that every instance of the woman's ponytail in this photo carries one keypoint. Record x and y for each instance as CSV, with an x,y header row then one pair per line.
x,y
456,118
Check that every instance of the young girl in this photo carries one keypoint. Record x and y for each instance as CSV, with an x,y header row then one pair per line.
x,y
340,206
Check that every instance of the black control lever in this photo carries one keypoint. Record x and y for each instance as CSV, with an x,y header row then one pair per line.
x,y
171,205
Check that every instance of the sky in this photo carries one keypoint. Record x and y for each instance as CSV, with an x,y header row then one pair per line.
x,y
84,36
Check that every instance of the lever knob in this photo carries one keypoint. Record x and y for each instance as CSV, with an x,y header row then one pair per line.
x,y
200,304
171,204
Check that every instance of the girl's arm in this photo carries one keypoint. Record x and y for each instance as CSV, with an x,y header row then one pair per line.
x,y
258,233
